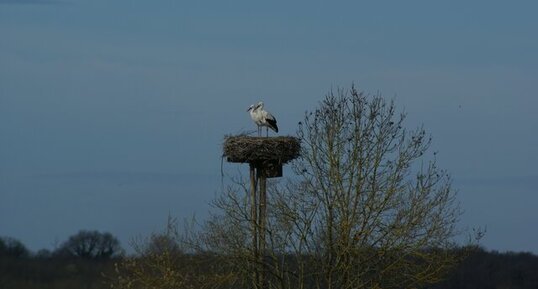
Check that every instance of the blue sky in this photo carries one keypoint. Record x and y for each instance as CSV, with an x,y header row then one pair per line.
x,y
112,113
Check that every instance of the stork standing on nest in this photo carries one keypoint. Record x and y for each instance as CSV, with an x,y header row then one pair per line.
x,y
262,118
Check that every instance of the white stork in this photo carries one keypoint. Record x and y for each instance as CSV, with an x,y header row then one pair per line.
x,y
262,118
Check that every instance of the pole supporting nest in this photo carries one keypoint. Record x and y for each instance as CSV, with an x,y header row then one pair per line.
x,y
269,169
265,156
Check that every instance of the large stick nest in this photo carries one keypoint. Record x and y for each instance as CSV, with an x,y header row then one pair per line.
x,y
247,149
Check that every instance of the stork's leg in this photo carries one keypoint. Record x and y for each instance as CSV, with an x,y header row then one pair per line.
x,y
266,132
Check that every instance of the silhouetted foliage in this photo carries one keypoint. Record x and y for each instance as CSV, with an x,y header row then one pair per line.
x,y
90,245
485,270
43,254
480,270
20,269
12,248
161,262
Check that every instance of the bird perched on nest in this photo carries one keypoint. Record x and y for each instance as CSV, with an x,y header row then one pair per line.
x,y
262,118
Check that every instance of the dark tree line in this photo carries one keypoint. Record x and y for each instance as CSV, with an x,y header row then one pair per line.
x,y
79,262
85,244
21,269
494,270
90,245
10,247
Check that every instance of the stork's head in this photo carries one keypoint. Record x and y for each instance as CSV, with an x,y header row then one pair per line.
x,y
255,106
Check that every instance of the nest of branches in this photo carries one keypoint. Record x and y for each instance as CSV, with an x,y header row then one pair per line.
x,y
248,149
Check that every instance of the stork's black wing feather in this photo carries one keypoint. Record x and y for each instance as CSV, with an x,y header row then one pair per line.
x,y
272,124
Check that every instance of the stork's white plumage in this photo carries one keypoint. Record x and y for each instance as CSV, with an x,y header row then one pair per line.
x,y
262,118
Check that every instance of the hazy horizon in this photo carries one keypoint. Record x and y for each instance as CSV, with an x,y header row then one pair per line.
x,y
112,114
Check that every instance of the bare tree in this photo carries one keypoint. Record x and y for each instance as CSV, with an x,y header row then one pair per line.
x,y
382,214
90,245
368,208
166,260
13,248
